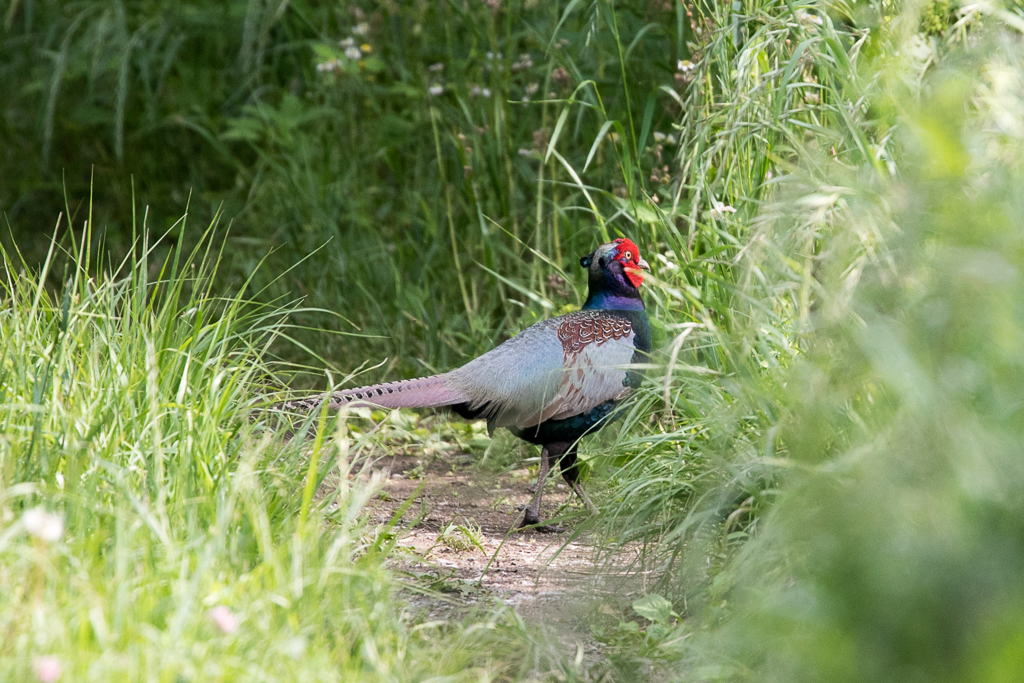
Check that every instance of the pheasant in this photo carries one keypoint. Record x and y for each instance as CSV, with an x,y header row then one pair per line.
x,y
552,383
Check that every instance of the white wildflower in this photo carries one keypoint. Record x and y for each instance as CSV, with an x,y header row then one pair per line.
x,y
719,209
436,67
436,89
361,29
353,52
524,62
659,136
486,92
224,619
685,65
47,668
348,42
43,525
808,17
532,88
671,139
525,152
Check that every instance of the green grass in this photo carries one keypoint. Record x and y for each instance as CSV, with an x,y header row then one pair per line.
x,y
895,550
387,205
846,507
125,417
821,468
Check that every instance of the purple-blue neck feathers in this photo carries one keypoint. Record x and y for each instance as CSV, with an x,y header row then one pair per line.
x,y
608,289
611,302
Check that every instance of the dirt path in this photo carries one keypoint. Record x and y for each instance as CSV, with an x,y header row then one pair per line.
x,y
455,537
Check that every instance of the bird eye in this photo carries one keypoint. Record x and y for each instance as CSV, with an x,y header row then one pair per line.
x,y
629,256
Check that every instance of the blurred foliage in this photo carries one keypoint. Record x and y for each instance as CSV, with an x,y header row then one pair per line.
x,y
897,550
868,526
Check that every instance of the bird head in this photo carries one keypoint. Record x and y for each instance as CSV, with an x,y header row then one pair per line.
x,y
616,263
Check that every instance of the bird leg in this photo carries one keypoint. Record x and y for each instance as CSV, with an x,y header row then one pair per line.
x,y
571,473
531,517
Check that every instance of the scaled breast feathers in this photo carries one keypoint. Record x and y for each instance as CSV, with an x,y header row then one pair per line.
x,y
590,327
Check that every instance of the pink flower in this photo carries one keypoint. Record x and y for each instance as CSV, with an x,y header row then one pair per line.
x,y
46,668
224,618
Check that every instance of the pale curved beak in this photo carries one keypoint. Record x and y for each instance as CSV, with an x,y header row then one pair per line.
x,y
644,265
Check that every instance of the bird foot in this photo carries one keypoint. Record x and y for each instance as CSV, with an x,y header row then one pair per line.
x,y
544,528
533,522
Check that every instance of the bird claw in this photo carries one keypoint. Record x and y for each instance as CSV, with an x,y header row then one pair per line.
x,y
534,523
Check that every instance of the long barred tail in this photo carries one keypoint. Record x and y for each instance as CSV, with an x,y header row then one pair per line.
x,y
425,392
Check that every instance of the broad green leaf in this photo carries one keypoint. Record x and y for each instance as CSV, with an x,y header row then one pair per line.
x,y
653,607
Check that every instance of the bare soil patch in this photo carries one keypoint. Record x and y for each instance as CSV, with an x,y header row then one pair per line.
x,y
486,558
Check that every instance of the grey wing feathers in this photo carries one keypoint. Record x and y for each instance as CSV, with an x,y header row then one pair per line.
x,y
515,378
553,370
595,375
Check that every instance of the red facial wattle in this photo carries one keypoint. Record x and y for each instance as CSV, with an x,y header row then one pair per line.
x,y
628,254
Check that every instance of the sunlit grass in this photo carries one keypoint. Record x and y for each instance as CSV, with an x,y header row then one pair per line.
x,y
150,528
